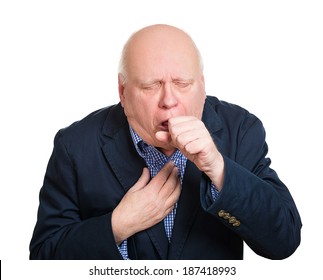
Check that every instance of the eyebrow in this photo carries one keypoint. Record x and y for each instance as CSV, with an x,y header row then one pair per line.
x,y
149,82
183,80
154,81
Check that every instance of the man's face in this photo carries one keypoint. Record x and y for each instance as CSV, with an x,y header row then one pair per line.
x,y
163,81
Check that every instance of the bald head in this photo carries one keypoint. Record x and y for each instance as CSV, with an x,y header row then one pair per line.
x,y
155,44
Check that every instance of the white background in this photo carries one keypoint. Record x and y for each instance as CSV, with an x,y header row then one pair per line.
x,y
58,62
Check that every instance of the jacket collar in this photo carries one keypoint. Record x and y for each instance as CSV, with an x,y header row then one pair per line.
x,y
212,120
210,117
119,150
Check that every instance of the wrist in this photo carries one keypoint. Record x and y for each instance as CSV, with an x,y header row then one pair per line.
x,y
216,174
117,229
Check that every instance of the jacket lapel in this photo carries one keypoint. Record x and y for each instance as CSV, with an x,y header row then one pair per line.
x,y
212,122
188,206
158,237
119,149
127,166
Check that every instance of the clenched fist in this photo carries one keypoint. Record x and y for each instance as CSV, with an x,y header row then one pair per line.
x,y
192,138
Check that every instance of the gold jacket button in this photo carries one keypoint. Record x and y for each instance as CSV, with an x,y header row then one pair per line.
x,y
232,220
221,213
236,224
226,216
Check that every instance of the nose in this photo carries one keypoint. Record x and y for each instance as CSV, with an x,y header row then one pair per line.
x,y
168,97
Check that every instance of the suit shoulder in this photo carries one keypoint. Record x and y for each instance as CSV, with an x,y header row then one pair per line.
x,y
223,106
232,114
89,126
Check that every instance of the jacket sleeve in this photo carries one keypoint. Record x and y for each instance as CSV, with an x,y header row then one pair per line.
x,y
254,203
60,233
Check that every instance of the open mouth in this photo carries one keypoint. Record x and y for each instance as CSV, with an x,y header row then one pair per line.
x,y
164,126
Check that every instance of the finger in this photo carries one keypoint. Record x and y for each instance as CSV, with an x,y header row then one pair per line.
x,y
185,126
170,185
177,126
163,136
194,147
187,137
142,181
168,210
181,119
159,180
193,127
174,196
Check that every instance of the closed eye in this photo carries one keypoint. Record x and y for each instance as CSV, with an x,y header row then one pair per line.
x,y
151,86
182,83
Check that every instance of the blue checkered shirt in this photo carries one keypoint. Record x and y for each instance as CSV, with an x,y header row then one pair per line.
x,y
155,160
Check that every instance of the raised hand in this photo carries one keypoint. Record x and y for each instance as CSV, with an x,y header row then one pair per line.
x,y
192,138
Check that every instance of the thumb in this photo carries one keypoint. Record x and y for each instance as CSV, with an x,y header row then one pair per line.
x,y
163,136
142,181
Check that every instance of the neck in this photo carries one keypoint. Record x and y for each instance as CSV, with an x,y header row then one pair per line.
x,y
167,152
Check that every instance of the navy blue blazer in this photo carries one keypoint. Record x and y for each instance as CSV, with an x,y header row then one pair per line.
x,y
94,163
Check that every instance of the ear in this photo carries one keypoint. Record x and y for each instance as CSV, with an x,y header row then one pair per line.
x,y
203,81
203,84
121,88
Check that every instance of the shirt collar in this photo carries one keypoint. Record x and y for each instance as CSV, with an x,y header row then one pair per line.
x,y
135,137
139,143
137,140
155,159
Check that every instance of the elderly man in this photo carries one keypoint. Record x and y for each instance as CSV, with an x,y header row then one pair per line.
x,y
168,173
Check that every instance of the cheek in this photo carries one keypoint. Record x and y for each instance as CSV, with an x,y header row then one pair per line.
x,y
127,109
196,104
130,104
139,111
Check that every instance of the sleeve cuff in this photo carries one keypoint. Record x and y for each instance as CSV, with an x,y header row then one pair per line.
x,y
123,249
